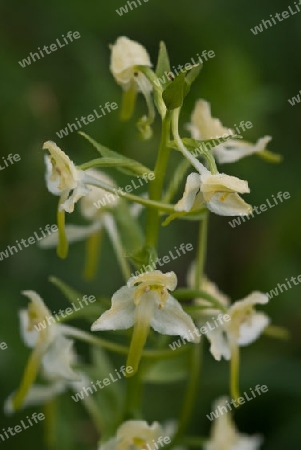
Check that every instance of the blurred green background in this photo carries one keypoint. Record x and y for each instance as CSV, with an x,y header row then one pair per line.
x,y
250,79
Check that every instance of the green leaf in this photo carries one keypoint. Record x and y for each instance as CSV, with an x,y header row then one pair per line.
x,y
113,159
193,74
91,311
163,64
177,90
173,95
145,256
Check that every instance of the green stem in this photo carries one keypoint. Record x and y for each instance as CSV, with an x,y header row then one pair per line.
x,y
193,441
166,207
185,294
191,393
120,349
201,253
133,397
234,377
156,185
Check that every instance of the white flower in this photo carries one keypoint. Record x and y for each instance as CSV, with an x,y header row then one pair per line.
x,y
204,127
218,191
94,207
151,302
126,54
225,436
145,302
244,326
52,351
62,177
134,435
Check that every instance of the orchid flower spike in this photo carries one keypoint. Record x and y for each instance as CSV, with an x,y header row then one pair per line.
x,y
225,436
51,350
205,127
146,302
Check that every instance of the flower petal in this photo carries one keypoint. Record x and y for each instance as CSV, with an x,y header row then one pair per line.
x,y
121,314
58,359
222,182
62,175
228,204
37,395
219,347
74,233
192,188
251,330
234,150
207,126
173,320
80,191
156,277
125,55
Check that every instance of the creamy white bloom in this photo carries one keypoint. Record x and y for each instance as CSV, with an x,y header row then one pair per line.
x,y
126,54
134,435
146,300
204,127
245,324
97,196
225,436
52,352
58,355
63,178
218,191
